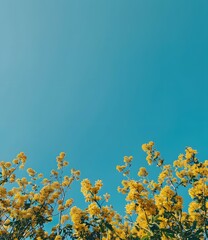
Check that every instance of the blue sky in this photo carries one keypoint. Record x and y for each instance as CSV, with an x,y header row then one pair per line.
x,y
96,79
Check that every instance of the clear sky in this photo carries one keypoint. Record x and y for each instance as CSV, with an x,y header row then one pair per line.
x,y
96,79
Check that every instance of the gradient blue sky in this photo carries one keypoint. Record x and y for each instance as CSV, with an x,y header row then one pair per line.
x,y
96,79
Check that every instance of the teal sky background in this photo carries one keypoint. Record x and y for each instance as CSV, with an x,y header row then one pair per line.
x,y
96,79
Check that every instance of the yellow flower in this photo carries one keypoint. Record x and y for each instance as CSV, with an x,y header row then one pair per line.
x,y
126,173
55,185
106,196
193,206
69,202
128,159
7,164
60,201
3,192
64,218
21,166
93,209
156,154
149,159
74,172
40,175
147,146
76,214
7,222
15,161
31,172
62,155
65,163
60,207
120,168
45,181
167,192
21,156
12,178
142,172
58,237
53,172
145,181
130,208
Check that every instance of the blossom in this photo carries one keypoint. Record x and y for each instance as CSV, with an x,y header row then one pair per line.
x,y
142,172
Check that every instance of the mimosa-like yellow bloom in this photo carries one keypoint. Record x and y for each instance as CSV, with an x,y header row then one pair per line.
x,y
128,159
7,164
142,172
15,161
106,197
153,207
69,202
64,218
31,172
93,209
120,168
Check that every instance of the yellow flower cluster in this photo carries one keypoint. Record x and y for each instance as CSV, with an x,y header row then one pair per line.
x,y
60,160
153,208
152,154
127,164
89,191
142,172
28,208
166,215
